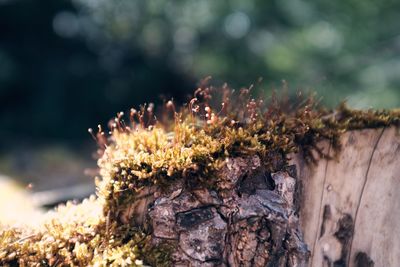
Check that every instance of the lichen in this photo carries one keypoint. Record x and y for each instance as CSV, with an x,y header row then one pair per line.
x,y
190,144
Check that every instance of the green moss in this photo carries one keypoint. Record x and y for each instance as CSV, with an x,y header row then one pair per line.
x,y
191,145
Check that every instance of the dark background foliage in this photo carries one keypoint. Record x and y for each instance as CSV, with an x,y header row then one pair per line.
x,y
68,65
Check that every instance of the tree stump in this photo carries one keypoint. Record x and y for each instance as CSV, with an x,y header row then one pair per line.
x,y
228,190
346,207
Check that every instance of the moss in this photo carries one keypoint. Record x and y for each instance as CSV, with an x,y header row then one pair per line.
x,y
77,235
189,144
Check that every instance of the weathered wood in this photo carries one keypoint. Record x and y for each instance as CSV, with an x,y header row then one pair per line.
x,y
350,206
310,179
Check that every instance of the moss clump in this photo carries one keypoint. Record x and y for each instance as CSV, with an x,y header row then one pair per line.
x,y
73,235
190,145
78,235
203,136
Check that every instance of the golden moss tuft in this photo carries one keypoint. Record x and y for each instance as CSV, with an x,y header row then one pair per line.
x,y
203,136
190,145
76,235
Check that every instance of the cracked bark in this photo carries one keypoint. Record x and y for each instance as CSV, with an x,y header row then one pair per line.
x,y
250,221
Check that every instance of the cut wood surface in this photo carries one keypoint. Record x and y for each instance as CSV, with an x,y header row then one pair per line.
x,y
350,205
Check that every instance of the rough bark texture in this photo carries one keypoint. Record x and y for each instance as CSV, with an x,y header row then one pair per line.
x,y
252,221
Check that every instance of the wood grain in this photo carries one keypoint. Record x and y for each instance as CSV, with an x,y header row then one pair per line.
x,y
350,206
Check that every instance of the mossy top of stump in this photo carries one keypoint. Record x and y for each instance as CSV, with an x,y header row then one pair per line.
x,y
187,146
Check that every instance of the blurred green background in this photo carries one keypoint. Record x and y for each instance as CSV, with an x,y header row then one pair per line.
x,y
67,65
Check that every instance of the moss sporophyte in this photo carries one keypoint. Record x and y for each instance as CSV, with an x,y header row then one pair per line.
x,y
188,143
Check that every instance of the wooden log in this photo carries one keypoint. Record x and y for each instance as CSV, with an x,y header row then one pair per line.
x,y
350,206
345,211
341,211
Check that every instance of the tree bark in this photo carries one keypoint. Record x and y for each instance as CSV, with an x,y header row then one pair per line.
x,y
339,212
251,220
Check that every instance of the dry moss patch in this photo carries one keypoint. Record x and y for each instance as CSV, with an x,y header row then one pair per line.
x,y
190,144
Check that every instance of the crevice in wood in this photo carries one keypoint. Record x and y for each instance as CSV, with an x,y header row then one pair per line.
x,y
363,260
362,192
327,261
325,216
344,234
320,204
